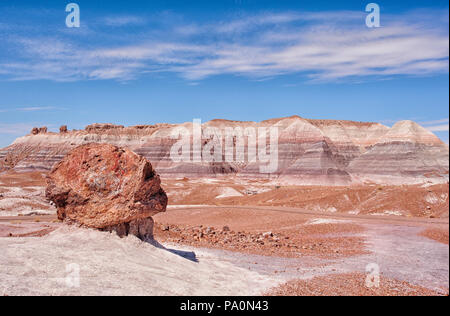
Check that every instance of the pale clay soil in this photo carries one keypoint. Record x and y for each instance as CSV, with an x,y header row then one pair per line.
x,y
231,245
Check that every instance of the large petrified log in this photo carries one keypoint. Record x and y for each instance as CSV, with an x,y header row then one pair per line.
x,y
108,188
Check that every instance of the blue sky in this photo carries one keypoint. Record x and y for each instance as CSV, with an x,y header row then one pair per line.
x,y
144,62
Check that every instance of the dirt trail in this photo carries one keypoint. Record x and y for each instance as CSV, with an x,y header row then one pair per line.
x,y
357,218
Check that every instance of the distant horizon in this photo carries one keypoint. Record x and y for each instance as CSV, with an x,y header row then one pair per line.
x,y
141,63
387,124
56,129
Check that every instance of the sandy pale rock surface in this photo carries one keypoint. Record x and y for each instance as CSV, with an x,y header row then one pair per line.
x,y
109,265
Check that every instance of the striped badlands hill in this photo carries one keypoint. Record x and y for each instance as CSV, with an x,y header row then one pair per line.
x,y
309,151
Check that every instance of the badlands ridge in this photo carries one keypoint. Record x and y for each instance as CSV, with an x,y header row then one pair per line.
x,y
228,229
311,152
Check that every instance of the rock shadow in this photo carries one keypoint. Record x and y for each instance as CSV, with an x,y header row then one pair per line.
x,y
189,255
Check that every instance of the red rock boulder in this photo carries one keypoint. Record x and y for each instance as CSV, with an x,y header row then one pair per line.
x,y
108,188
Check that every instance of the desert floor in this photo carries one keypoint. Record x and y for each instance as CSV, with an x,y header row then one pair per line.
x,y
234,237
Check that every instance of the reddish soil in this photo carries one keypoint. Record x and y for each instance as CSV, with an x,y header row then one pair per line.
x,y
27,226
404,200
247,231
287,244
438,235
29,179
351,284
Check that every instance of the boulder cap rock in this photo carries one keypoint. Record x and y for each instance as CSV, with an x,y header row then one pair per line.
x,y
102,185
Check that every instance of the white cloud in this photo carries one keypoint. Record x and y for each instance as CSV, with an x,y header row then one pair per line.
x,y
438,128
124,20
31,109
15,128
441,125
38,108
323,45
444,120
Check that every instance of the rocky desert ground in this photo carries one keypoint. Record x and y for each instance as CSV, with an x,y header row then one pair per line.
x,y
225,236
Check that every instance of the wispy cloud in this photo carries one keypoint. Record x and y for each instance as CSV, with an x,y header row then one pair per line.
x,y
15,128
444,120
441,125
324,46
31,109
438,128
124,20
38,108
